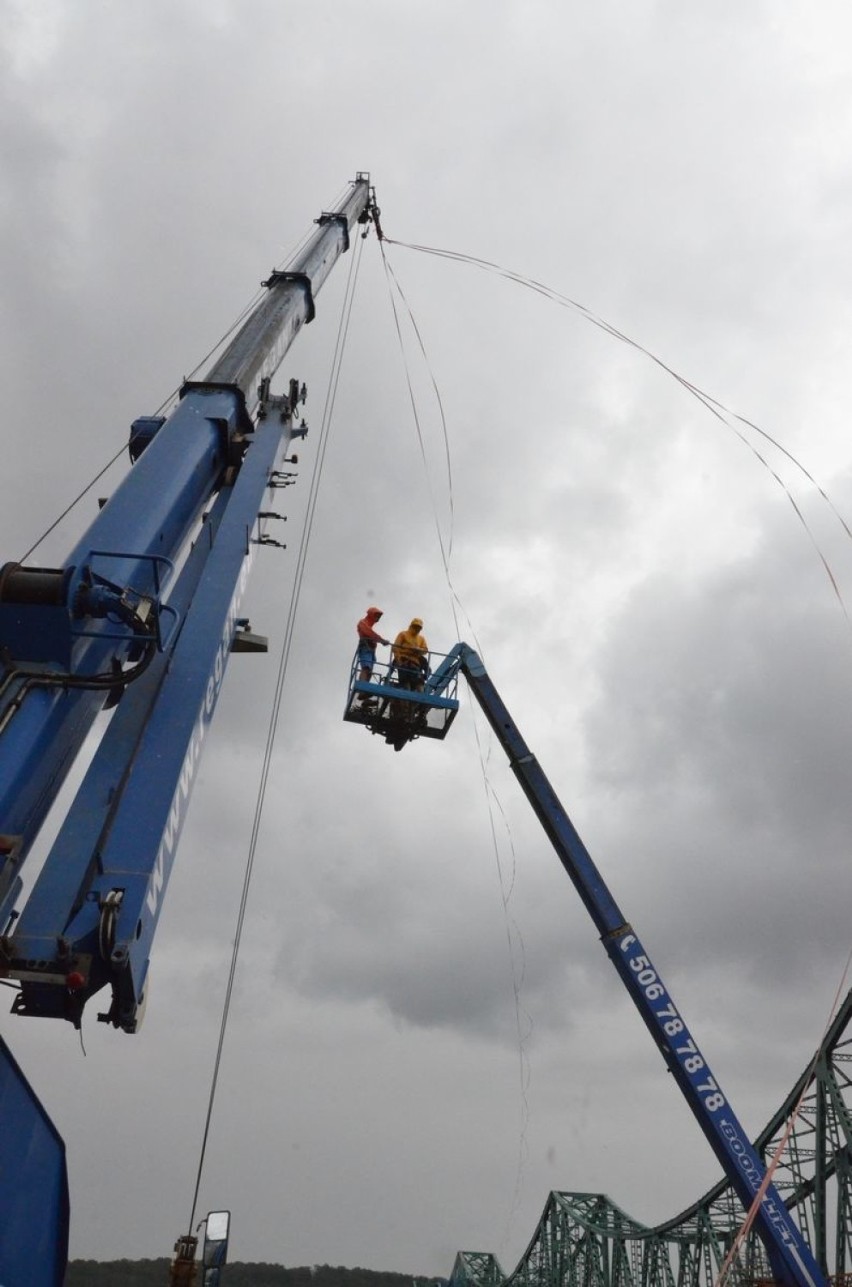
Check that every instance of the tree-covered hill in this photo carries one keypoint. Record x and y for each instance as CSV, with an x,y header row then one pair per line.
x,y
155,1273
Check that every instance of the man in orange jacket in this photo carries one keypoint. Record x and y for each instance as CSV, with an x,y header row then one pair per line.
x,y
368,637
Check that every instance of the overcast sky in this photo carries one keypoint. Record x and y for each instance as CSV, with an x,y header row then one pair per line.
x,y
655,615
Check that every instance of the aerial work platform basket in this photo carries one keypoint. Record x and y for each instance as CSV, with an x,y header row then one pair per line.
x,y
388,705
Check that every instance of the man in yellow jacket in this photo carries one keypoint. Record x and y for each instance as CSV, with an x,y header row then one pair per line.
x,y
410,653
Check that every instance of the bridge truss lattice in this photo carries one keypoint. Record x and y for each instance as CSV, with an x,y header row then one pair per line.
x,y
585,1240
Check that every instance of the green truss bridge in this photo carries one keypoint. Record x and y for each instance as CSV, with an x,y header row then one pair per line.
x,y
585,1240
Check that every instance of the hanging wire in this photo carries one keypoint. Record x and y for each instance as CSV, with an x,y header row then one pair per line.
x,y
343,330
523,1019
731,419
328,411
456,604
69,508
241,316
171,399
438,399
517,956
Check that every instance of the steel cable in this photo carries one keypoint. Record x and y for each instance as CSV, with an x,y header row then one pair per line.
x,y
445,548
272,728
716,408
168,401
725,415
512,929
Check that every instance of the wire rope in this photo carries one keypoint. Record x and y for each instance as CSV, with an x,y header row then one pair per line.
x,y
171,399
716,408
726,416
438,399
289,256
328,410
512,929
518,974
444,547
241,316
69,508
275,711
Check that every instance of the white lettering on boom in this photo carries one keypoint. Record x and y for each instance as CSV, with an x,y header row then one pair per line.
x,y
174,822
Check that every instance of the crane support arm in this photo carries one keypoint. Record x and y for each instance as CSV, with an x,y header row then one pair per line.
x,y
143,613
256,351
790,1257
132,804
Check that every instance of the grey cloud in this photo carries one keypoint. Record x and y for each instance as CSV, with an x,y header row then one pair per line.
x,y
658,625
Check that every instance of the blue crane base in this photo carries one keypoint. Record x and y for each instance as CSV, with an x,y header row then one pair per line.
x,y
33,1186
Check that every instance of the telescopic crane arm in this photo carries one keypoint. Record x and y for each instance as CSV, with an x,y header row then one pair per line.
x,y
790,1257
102,628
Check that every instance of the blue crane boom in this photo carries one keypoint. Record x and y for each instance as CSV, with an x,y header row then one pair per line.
x,y
131,618
143,616
400,715
789,1255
